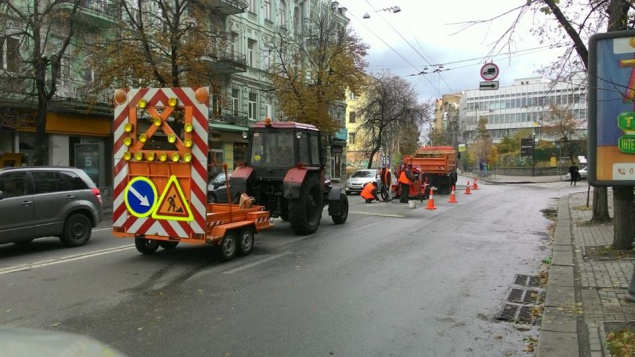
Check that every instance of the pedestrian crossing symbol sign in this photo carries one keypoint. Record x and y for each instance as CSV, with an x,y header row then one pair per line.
x,y
172,204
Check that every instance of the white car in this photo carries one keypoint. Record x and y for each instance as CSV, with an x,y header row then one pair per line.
x,y
355,184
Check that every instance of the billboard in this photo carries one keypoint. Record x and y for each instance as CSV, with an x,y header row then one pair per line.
x,y
612,109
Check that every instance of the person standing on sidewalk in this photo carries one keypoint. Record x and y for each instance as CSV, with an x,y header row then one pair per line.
x,y
574,172
405,180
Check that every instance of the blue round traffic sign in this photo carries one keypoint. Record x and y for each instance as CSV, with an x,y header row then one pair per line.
x,y
140,196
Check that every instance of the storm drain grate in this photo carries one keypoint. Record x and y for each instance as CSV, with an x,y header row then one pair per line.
x,y
522,301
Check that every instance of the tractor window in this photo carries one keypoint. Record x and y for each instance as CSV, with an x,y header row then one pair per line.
x,y
272,149
315,150
303,144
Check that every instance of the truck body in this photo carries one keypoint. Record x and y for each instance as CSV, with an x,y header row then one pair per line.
x,y
284,171
432,166
160,176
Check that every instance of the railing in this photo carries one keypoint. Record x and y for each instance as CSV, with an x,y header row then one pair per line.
x,y
233,58
104,7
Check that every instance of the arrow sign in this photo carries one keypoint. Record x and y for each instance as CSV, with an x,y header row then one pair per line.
x,y
140,196
488,85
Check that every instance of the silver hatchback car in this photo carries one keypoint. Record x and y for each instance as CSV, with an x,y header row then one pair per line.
x,y
357,181
40,202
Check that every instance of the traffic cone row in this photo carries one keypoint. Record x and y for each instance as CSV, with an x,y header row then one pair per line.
x,y
452,197
467,189
431,199
475,185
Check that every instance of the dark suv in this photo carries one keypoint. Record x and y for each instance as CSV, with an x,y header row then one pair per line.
x,y
48,201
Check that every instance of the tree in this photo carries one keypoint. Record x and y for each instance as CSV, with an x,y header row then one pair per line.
x,y
311,72
561,125
39,34
390,111
482,145
161,43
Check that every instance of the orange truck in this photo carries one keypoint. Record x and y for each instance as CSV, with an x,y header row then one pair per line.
x,y
160,176
433,166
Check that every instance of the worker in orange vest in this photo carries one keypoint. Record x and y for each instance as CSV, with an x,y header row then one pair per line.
x,y
369,193
386,181
405,180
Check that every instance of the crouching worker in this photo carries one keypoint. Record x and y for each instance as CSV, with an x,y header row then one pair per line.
x,y
369,193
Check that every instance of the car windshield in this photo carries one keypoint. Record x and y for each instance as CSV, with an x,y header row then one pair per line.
x,y
363,174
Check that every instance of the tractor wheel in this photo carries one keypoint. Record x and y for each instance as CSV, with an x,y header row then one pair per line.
x,y
341,218
305,212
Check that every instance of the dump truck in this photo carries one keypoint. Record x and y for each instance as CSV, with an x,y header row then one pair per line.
x,y
436,165
285,172
160,176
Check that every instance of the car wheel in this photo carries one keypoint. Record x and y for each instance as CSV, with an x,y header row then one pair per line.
x,y
211,198
228,247
168,244
77,230
146,246
246,241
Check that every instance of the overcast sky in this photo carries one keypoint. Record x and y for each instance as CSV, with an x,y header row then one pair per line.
x,y
428,33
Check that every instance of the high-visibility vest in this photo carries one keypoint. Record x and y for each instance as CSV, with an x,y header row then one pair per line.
x,y
367,192
387,177
403,178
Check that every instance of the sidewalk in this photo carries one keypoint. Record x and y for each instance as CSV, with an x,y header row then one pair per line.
x,y
585,295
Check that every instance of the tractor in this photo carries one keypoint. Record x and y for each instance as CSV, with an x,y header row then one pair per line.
x,y
284,171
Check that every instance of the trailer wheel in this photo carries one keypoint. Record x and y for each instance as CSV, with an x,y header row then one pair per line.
x,y
168,245
305,212
146,246
246,241
228,247
341,218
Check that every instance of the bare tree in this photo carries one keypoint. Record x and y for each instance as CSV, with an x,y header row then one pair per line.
x,y
390,109
38,34
561,125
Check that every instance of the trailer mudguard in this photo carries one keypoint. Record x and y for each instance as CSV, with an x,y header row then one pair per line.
x,y
238,180
292,183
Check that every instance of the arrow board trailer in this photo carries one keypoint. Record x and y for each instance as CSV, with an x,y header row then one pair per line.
x,y
160,176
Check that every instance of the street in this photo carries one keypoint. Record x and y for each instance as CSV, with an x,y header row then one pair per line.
x,y
391,281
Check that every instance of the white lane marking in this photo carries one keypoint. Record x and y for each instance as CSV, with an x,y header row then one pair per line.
x,y
45,263
261,261
378,214
102,229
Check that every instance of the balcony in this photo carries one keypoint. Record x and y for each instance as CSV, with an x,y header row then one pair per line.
x,y
226,62
234,120
228,7
95,13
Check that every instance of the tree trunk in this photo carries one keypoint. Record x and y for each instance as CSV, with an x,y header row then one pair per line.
x,y
624,218
40,158
600,205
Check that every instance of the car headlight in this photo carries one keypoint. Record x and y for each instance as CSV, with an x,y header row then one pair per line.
x,y
210,187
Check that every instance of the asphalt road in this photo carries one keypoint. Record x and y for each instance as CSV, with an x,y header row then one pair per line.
x,y
391,281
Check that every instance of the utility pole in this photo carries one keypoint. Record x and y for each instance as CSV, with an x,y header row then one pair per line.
x,y
533,154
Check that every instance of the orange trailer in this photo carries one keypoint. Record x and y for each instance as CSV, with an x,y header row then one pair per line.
x,y
160,176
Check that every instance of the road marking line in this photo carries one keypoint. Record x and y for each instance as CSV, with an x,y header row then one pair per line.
x,y
45,263
379,214
261,261
102,229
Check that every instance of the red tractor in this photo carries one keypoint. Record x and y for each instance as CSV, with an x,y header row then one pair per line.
x,y
284,171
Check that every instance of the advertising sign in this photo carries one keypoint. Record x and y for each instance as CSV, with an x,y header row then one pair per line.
x,y
612,109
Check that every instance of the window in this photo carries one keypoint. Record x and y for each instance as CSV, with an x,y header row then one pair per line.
x,y
47,182
351,117
10,54
266,58
253,98
13,184
251,53
235,102
252,6
282,13
65,71
267,9
351,138
315,150
74,180
268,111
297,21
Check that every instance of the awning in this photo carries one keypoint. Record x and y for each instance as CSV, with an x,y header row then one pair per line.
x,y
228,127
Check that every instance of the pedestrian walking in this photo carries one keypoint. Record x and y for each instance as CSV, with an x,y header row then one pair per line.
x,y
406,178
574,172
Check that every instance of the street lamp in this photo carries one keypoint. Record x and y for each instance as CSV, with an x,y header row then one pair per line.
x,y
393,9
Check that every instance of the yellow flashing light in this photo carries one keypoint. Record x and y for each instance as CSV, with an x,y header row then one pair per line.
x,y
127,155
127,127
143,138
176,157
163,156
150,156
127,141
157,121
142,103
172,102
187,157
171,138
138,156
188,143
189,127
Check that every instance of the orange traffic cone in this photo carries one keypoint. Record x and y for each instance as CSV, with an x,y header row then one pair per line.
x,y
475,185
431,199
453,197
467,189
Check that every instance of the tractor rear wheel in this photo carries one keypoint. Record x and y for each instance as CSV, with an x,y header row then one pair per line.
x,y
305,212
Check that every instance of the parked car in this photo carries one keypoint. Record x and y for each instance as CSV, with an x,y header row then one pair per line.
x,y
217,188
582,172
40,202
356,182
